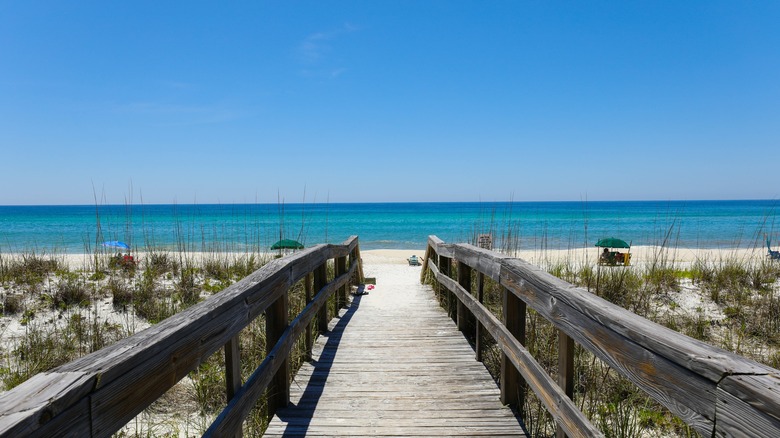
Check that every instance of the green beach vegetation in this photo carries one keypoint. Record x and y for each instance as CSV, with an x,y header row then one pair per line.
x,y
57,308
53,313
731,301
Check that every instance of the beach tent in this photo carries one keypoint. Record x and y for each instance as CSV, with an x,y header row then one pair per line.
x,y
287,244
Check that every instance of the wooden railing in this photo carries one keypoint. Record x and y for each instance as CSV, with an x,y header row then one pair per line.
x,y
715,392
99,393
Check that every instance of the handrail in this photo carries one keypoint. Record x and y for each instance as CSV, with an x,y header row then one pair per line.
x,y
716,392
99,393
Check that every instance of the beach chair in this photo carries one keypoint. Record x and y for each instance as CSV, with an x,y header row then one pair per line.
x,y
608,258
773,255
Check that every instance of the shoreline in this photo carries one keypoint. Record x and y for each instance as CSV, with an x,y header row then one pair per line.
x,y
640,256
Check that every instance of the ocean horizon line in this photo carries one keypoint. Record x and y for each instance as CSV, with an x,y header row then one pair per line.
x,y
400,202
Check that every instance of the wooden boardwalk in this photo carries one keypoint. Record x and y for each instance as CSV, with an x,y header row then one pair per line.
x,y
394,364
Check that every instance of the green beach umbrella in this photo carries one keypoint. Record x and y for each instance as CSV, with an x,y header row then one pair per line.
x,y
287,244
612,243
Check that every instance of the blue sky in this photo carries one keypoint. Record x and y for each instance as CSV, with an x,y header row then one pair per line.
x,y
372,101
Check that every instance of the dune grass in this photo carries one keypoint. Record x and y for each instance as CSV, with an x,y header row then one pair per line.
x,y
729,302
65,313
60,309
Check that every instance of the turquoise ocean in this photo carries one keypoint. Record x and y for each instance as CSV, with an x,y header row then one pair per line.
x,y
254,227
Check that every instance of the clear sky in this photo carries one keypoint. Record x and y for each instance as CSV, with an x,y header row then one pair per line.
x,y
372,101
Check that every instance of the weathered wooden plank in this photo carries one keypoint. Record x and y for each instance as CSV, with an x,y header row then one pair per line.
x,y
395,431
276,326
485,261
748,406
116,383
341,295
478,344
23,413
343,249
354,258
701,358
119,398
565,370
464,280
320,280
232,417
442,249
342,422
677,371
428,253
566,414
512,384
373,376
308,338
233,380
685,393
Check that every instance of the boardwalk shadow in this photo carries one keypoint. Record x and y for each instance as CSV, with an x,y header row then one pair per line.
x,y
297,424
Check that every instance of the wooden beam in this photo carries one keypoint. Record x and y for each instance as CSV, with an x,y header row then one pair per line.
x,y
445,266
231,418
341,294
550,394
232,368
320,280
276,318
685,375
481,298
513,386
747,406
684,392
308,339
464,280
428,252
98,393
565,370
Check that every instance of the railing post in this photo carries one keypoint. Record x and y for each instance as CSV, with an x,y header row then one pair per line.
x,y
355,256
565,370
480,298
434,258
464,279
320,280
426,260
512,384
276,319
308,340
233,372
445,264
341,294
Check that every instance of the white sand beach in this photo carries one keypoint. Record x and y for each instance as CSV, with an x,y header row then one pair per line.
x,y
640,255
681,258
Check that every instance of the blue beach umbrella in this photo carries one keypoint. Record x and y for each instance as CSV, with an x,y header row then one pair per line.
x,y
116,244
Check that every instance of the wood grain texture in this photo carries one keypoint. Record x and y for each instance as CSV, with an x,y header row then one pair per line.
x,y
98,393
739,397
393,363
691,378
513,387
560,406
232,417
